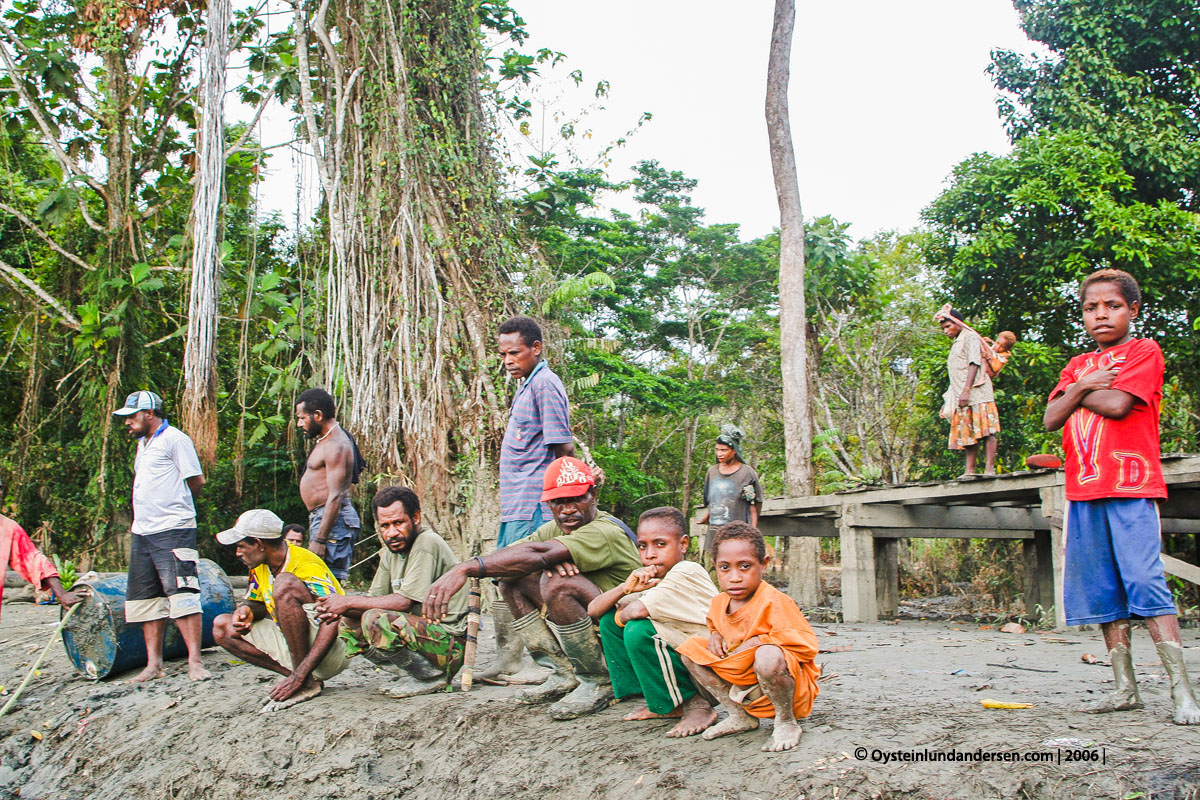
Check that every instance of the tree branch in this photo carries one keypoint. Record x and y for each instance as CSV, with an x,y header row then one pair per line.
x,y
18,80
16,276
236,147
45,237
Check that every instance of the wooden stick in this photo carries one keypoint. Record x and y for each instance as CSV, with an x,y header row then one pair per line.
x,y
468,672
38,662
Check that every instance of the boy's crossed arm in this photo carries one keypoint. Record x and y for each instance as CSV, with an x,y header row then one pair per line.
x,y
1094,392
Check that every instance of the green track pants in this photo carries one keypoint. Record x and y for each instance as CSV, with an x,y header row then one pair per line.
x,y
639,662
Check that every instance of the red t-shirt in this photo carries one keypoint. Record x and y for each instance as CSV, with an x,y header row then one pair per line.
x,y
1116,457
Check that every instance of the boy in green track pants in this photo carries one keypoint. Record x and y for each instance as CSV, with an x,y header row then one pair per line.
x,y
651,613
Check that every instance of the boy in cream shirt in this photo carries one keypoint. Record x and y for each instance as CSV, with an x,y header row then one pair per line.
x,y
643,620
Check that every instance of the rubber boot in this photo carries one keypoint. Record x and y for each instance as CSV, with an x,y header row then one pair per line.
x,y
414,674
582,646
1186,710
508,666
545,650
1124,696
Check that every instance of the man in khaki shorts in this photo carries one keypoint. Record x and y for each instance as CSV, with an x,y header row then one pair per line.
x,y
163,579
276,626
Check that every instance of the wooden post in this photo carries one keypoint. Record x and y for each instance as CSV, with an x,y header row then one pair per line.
x,y
859,602
887,576
1054,508
1038,559
699,534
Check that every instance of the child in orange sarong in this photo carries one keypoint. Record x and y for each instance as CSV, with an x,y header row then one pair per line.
x,y
758,658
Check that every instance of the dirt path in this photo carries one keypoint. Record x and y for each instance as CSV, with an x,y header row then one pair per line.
x,y
912,686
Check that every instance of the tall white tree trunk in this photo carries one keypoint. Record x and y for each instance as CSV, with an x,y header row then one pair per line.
x,y
804,583
200,354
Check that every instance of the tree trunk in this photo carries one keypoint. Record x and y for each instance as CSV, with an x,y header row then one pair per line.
x,y
200,355
417,264
804,583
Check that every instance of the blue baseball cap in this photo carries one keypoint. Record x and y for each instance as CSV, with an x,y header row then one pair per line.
x,y
140,401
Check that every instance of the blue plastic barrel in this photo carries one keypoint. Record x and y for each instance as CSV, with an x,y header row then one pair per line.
x,y
99,643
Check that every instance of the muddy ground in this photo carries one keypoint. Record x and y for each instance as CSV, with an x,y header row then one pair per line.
x,y
908,686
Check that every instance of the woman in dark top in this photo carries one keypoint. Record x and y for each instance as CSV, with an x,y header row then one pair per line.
x,y
731,488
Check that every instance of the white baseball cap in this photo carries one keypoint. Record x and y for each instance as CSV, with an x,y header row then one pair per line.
x,y
257,523
140,401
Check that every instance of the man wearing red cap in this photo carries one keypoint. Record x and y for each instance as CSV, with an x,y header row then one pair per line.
x,y
561,567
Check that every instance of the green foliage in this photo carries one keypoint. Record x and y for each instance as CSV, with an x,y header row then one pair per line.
x,y
66,572
1103,173
1123,73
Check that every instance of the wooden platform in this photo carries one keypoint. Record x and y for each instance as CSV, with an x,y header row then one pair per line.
x,y
1022,505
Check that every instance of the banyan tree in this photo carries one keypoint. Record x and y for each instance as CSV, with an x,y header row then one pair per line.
x,y
418,241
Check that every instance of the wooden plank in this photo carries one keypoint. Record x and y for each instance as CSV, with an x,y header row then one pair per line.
x,y
1181,503
974,517
797,526
1184,526
951,533
1180,569
1018,488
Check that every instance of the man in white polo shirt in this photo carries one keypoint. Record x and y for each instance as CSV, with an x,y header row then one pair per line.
x,y
163,563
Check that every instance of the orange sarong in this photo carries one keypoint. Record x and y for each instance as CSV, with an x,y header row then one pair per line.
x,y
775,619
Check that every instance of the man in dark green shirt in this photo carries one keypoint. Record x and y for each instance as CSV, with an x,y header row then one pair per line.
x,y
388,625
561,567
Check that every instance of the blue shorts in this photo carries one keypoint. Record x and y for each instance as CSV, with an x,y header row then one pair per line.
x,y
339,550
516,529
1113,567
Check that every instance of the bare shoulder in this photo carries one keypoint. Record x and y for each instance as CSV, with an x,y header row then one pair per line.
x,y
340,447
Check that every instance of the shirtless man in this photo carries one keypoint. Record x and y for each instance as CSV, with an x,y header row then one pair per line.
x,y
333,524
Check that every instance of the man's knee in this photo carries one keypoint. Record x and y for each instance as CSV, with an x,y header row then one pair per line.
x,y
223,629
508,589
554,584
563,597
290,590
522,593
769,661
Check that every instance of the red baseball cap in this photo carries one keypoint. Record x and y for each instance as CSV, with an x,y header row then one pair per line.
x,y
566,477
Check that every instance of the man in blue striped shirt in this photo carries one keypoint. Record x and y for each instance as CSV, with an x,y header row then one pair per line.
x,y
539,431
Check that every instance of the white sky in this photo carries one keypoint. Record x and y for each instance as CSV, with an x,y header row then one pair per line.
x,y
885,98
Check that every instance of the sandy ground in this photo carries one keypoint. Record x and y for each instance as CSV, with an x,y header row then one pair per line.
x,y
904,687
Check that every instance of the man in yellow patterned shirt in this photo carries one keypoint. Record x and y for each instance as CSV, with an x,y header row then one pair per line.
x,y
276,626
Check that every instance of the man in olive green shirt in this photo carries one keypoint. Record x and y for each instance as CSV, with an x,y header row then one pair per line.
x,y
561,568
388,626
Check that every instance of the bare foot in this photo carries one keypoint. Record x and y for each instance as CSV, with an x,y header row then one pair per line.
x,y
785,737
306,692
738,722
698,716
1186,712
197,672
645,713
148,674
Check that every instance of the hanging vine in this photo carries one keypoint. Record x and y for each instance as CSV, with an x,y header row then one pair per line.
x,y
418,241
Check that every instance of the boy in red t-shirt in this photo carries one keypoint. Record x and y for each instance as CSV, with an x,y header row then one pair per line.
x,y
1108,401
